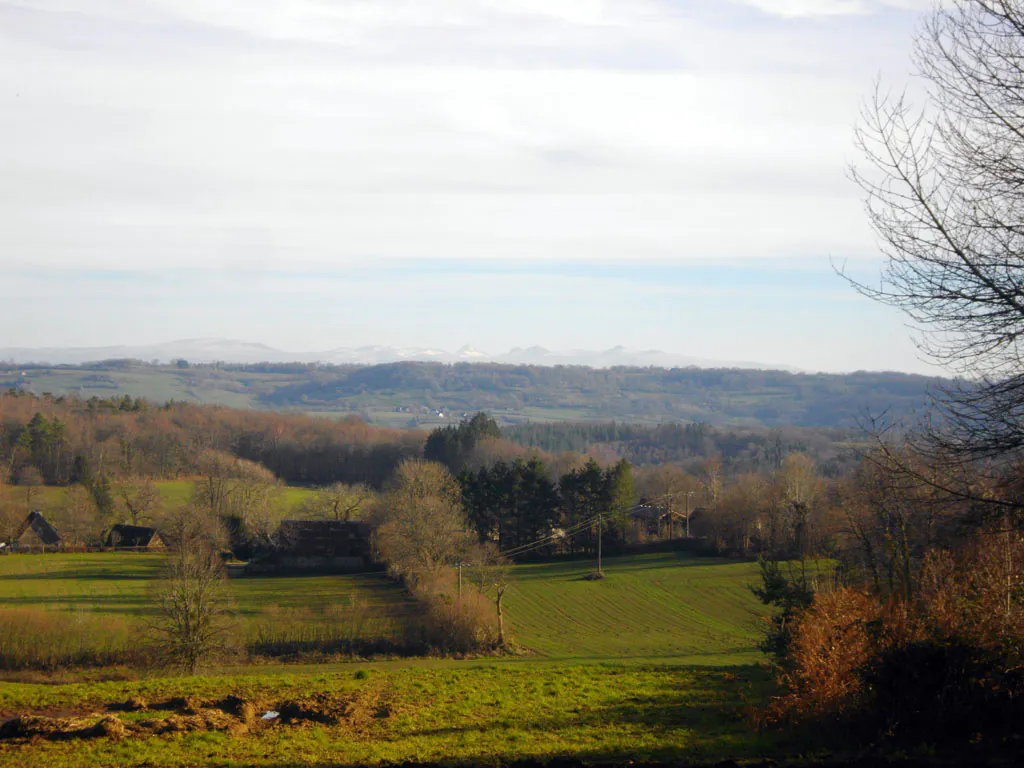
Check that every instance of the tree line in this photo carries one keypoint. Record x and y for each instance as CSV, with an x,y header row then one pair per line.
x,y
62,440
716,396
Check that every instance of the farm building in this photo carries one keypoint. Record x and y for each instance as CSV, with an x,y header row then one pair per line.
x,y
317,545
656,521
135,537
36,535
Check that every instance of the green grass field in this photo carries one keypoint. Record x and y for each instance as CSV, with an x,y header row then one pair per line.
x,y
655,662
102,601
658,606
450,713
648,606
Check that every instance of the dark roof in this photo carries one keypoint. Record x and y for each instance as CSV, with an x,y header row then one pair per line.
x,y
650,512
41,527
324,538
122,535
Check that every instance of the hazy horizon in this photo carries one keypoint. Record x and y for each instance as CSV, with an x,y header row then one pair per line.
x,y
246,351
656,174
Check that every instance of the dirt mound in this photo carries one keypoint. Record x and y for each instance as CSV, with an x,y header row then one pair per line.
x,y
233,714
133,704
198,720
61,728
326,708
356,710
184,705
245,710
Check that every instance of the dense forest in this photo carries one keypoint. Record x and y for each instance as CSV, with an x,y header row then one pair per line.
x,y
691,394
424,395
62,440
740,449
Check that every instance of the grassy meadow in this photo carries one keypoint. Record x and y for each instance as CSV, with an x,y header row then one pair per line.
x,y
657,661
100,601
648,606
657,606
443,712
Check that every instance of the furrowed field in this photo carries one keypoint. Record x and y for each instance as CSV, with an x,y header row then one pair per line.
x,y
658,661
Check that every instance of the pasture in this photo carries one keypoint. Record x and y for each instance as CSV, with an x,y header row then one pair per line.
x,y
658,606
59,608
445,712
670,605
657,661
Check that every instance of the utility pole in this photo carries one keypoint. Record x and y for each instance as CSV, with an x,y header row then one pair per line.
x,y
460,580
687,508
599,571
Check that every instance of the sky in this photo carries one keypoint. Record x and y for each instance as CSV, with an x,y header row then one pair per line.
x,y
311,174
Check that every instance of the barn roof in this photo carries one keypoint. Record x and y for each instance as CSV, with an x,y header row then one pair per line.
x,y
324,537
41,527
123,535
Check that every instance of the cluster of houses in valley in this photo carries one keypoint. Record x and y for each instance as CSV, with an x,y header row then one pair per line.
x,y
37,534
302,545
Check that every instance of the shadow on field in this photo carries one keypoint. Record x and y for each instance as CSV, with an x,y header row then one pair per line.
x,y
708,716
591,759
86,574
100,604
617,564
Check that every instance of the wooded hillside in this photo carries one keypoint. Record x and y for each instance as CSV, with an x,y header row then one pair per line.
x,y
432,394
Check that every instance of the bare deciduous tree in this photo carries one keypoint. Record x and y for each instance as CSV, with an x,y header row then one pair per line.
x,y
137,500
490,573
78,518
337,502
423,526
192,624
945,195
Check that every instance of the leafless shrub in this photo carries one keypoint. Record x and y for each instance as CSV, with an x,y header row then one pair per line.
x,y
192,624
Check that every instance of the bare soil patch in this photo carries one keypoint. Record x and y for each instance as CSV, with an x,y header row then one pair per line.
x,y
233,714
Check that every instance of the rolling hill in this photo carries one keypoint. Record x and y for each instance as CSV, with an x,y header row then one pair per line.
x,y
422,394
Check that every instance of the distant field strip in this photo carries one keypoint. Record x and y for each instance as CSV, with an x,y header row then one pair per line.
x,y
653,606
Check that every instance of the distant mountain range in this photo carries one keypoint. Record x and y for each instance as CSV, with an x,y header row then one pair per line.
x,y
231,351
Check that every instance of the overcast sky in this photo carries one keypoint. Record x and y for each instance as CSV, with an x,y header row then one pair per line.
x,y
310,174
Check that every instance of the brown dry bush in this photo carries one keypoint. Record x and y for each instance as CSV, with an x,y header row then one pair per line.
x,y
830,644
451,624
946,666
34,638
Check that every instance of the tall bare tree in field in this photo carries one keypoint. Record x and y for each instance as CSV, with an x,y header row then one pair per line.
x,y
423,528
192,624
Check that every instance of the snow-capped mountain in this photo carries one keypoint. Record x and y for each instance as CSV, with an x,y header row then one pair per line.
x,y
232,351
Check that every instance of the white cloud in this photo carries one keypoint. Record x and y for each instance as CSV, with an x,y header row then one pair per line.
x,y
810,8
299,135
